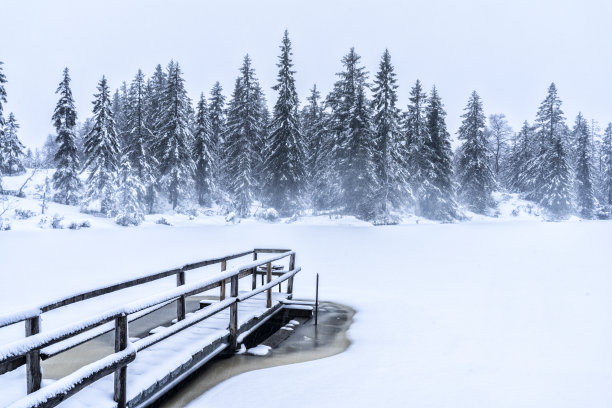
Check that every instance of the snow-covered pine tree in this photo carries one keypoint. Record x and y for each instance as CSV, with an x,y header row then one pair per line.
x,y
12,148
476,179
140,137
544,184
2,99
284,156
391,170
520,157
216,113
173,147
203,154
312,125
351,175
243,133
585,197
497,132
129,208
102,151
156,86
607,165
439,202
121,111
66,180
418,146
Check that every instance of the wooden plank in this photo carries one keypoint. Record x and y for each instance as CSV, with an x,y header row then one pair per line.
x,y
33,367
121,342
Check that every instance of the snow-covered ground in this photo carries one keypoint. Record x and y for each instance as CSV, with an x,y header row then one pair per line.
x,y
487,313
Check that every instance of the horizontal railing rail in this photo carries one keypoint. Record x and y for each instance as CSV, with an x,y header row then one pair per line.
x,y
30,347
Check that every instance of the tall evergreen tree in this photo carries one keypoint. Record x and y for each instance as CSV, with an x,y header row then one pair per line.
x,y
391,169
129,207
476,180
520,157
121,111
417,144
66,180
173,146
143,164
548,179
438,201
102,150
12,148
284,158
203,154
607,166
312,125
585,197
2,99
244,129
216,113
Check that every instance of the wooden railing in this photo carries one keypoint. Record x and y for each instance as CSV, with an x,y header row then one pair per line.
x,y
29,348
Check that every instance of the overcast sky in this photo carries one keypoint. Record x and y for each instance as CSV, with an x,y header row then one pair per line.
x,y
508,51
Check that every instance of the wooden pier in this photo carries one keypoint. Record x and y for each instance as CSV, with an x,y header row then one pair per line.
x,y
145,369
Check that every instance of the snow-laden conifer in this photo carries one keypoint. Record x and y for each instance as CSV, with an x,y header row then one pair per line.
x,y
476,180
66,182
129,208
585,197
284,156
2,100
175,138
102,151
12,148
216,113
607,165
202,154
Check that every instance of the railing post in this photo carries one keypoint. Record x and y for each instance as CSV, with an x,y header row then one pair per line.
x,y
290,280
180,303
121,340
269,291
33,367
223,268
233,323
254,281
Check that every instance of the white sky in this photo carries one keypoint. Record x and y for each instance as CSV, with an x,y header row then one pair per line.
x,y
509,51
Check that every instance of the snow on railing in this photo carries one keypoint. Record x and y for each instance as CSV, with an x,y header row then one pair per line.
x,y
125,352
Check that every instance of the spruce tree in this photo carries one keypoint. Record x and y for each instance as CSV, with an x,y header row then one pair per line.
x,y
418,145
216,113
139,150
312,124
66,180
243,133
121,111
130,210
203,154
2,99
438,201
173,147
585,197
102,151
391,170
476,180
284,156
548,178
12,148
607,165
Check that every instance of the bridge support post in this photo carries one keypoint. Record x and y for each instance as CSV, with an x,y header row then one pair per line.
x,y
254,282
233,323
180,303
121,340
33,367
290,280
269,291
223,268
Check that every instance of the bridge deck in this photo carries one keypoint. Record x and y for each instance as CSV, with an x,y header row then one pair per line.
x,y
161,365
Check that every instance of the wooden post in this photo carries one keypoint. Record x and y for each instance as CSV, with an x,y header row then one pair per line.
x,y
180,303
223,268
33,367
290,280
233,323
254,277
269,291
317,302
121,340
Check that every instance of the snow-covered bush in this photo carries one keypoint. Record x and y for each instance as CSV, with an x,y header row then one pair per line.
x,y
126,219
74,226
4,225
85,224
231,218
23,214
293,218
269,214
56,222
163,221
604,212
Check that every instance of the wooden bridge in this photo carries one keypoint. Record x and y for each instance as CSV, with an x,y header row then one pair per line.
x,y
145,368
